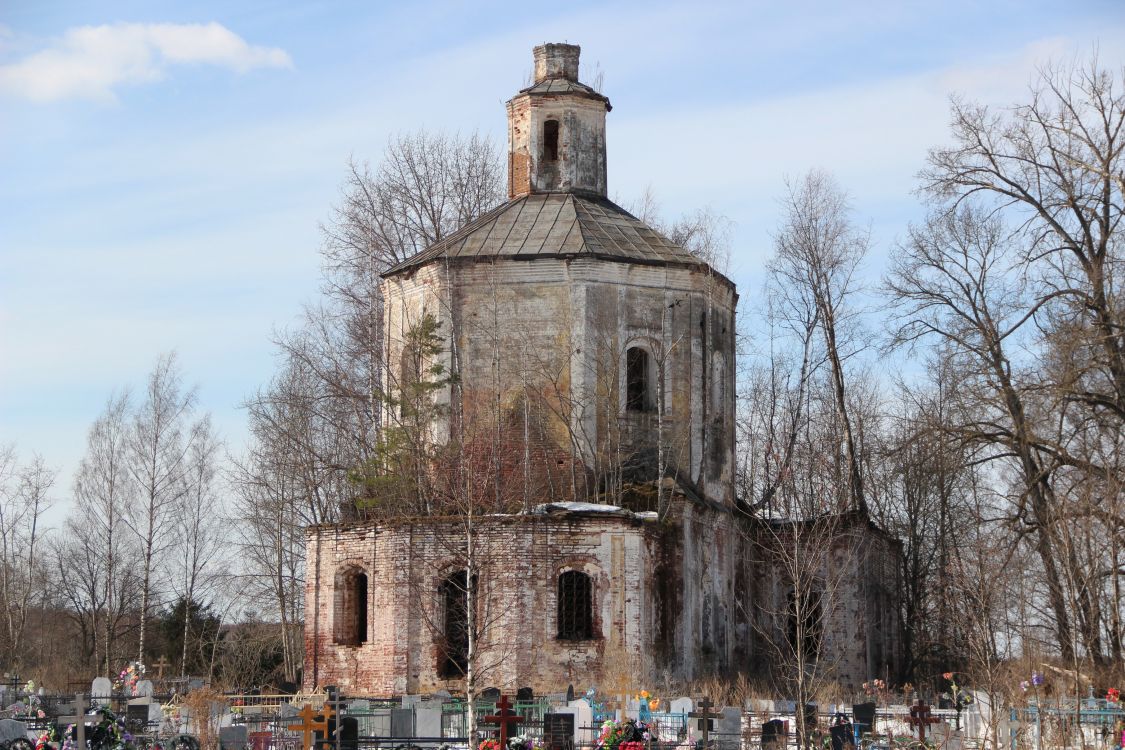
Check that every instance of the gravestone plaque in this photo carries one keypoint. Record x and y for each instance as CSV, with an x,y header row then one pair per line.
x,y
234,737
402,722
525,694
729,725
136,716
102,687
558,731
490,695
144,687
427,720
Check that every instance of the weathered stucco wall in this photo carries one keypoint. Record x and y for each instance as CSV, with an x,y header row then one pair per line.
x,y
556,331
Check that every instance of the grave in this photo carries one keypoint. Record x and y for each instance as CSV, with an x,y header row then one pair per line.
x,y
234,737
583,716
559,729
144,688
681,706
773,734
102,687
402,722
427,720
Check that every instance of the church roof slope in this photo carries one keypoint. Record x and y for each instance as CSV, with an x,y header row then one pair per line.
x,y
545,225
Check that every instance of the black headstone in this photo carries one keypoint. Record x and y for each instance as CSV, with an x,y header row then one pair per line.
x,y
136,717
843,735
234,737
569,693
525,694
490,695
349,734
558,731
773,733
864,715
402,722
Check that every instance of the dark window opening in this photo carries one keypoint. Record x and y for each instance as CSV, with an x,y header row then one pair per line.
x,y
806,621
576,606
551,140
350,627
638,380
359,624
455,648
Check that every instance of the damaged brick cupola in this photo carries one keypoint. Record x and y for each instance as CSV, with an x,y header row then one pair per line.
x,y
556,129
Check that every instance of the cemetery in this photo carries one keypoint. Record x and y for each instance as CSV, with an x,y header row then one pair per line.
x,y
133,712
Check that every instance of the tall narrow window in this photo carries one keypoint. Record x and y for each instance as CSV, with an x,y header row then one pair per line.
x,y
409,376
455,649
806,621
350,627
638,380
551,140
576,606
359,617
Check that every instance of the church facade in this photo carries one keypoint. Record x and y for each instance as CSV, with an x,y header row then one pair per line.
x,y
601,355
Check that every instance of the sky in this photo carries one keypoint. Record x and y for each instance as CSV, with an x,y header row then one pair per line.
x,y
165,167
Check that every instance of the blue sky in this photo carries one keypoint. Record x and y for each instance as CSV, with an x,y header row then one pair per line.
x,y
164,166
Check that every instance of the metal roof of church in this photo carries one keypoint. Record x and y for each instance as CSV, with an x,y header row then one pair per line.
x,y
546,225
566,86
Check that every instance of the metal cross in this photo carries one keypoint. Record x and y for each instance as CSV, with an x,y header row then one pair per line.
x,y
504,716
309,726
920,718
705,716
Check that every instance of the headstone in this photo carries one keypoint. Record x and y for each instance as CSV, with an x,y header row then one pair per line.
x,y
632,708
681,706
864,715
427,720
559,729
402,722
525,694
843,735
136,716
583,715
411,700
155,713
773,734
729,723
11,729
234,737
144,688
569,693
102,687
490,695
443,694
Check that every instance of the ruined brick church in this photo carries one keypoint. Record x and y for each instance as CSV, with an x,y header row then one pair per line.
x,y
604,355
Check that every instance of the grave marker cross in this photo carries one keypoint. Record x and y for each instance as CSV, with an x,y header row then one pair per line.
x,y
78,720
920,718
705,716
161,664
310,726
504,716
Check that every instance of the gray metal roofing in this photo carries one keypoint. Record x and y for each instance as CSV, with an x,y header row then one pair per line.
x,y
556,225
565,86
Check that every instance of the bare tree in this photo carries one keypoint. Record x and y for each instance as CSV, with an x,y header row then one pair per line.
x,y
96,565
818,251
199,528
158,447
24,498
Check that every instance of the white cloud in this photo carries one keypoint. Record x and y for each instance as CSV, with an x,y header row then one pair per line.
x,y
90,61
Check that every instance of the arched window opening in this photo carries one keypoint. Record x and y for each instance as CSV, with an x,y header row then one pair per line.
x,y
576,606
351,608
551,140
639,389
455,646
806,623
